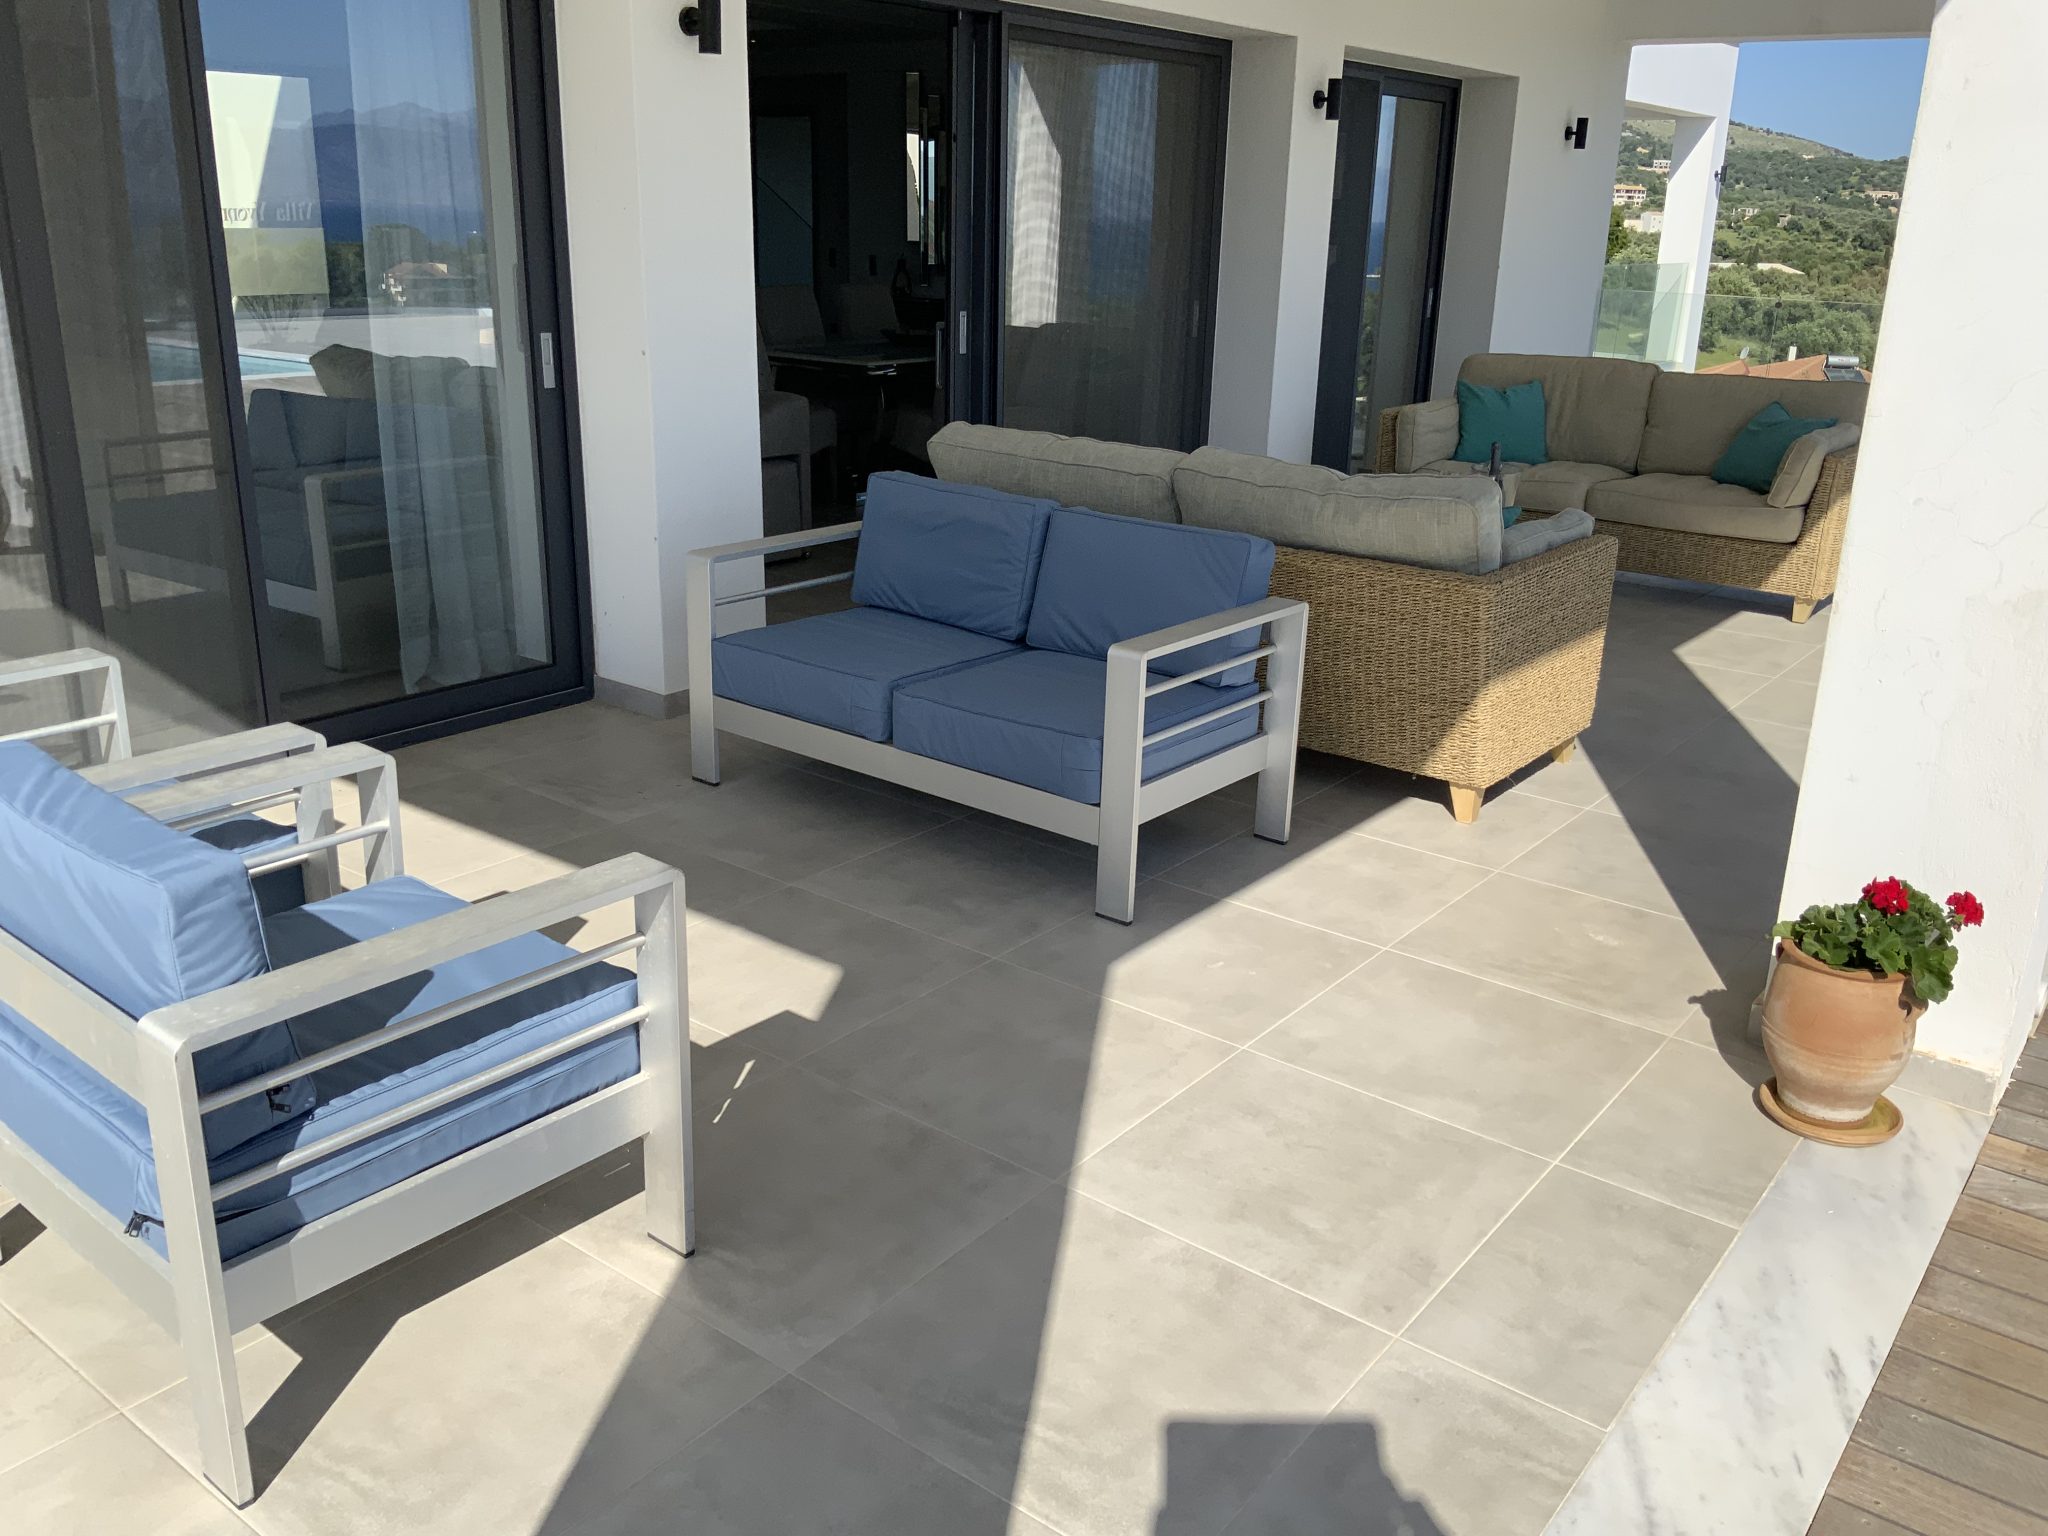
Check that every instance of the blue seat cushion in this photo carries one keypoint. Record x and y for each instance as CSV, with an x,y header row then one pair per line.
x,y
840,669
1036,718
955,554
99,1138
1104,579
143,915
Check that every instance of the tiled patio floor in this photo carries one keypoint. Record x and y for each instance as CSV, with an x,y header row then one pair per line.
x,y
1355,1184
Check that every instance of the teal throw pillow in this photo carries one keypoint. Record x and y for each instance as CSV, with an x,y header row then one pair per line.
x,y
1752,460
1512,417
1508,516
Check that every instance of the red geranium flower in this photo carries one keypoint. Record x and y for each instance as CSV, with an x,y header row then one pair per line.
x,y
1886,895
1966,909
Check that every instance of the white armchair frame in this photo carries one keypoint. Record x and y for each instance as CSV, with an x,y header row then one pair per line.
x,y
202,1299
1129,800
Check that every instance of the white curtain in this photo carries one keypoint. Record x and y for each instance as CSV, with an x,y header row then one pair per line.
x,y
427,226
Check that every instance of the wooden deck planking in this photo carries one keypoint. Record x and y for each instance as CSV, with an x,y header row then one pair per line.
x,y
1954,1438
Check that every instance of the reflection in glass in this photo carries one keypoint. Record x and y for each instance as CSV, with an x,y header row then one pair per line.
x,y
1105,199
1393,319
370,218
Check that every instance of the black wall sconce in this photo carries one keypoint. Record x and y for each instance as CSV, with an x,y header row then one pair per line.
x,y
1326,98
706,24
1575,133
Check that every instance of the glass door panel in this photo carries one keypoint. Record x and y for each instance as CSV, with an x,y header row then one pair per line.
x,y
1110,224
1386,258
99,171
369,206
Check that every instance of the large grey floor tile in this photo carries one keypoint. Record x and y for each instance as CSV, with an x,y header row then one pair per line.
x,y
1361,887
110,1481
1740,650
1423,1448
1349,1199
1570,1300
1700,871
1785,701
468,821
1398,808
788,824
969,882
1228,970
814,1205
1089,1363
1688,1130
498,1378
1644,967
1509,1064
797,972
1022,1065
793,1461
709,884
1170,840
1743,745
42,1400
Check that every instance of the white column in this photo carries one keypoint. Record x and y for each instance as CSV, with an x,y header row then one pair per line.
x,y
1929,754
660,215
1692,200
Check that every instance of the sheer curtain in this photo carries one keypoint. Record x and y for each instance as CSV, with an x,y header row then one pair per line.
x,y
426,233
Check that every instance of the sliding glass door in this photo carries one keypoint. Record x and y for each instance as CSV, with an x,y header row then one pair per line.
x,y
1111,192
298,373
1386,256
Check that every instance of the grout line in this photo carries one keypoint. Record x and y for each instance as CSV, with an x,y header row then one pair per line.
x,y
114,1411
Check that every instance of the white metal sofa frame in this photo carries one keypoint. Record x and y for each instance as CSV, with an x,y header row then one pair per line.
x,y
201,1299
1129,800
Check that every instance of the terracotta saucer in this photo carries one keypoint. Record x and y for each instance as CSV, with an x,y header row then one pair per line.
x,y
1881,1124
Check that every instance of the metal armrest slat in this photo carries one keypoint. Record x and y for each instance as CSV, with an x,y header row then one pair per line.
x,y
777,591
425,1104
61,728
1209,719
1210,671
264,861
391,1034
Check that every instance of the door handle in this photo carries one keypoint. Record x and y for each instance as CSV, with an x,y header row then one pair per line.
x,y
547,359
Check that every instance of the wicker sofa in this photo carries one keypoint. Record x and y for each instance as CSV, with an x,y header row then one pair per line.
x,y
1465,675
1633,445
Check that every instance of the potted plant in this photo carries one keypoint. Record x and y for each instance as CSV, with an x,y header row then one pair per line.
x,y
1843,1002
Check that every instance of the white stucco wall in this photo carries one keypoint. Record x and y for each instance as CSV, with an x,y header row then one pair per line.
x,y
1929,755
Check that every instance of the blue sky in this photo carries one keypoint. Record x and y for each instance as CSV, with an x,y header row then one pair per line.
x,y
1858,96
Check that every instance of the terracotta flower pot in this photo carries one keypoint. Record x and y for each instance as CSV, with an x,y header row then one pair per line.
x,y
1836,1039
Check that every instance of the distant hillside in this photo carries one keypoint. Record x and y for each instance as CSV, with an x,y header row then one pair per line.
x,y
1747,136
1786,203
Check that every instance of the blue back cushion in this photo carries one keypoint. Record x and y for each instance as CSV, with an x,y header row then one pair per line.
x,y
955,554
1105,579
142,914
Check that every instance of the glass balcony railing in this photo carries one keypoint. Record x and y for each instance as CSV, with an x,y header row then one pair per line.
x,y
1644,307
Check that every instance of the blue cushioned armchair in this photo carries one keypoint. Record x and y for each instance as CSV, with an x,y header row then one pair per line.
x,y
1053,665
229,1109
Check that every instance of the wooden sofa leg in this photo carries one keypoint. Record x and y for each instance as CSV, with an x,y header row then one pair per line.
x,y
1563,754
1465,802
1802,609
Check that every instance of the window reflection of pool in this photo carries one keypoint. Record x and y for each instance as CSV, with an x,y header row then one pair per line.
x,y
172,361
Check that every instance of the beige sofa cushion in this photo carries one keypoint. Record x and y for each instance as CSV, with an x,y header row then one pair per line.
x,y
1799,471
1119,478
1445,523
1531,536
1424,433
1694,504
1593,407
1695,416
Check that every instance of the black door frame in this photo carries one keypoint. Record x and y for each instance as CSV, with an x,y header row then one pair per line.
x,y
1212,54
1351,217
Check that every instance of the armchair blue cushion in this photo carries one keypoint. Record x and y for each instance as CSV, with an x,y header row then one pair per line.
x,y
955,554
143,915
839,669
98,1137
1105,579
1036,718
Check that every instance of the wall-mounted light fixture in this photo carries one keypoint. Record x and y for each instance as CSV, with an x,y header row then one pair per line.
x,y
1575,132
1326,99
705,23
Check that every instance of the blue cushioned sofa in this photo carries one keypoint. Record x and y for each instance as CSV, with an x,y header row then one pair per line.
x,y
228,1110
1054,665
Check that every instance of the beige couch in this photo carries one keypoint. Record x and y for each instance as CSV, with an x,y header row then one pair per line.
x,y
1438,643
1633,445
